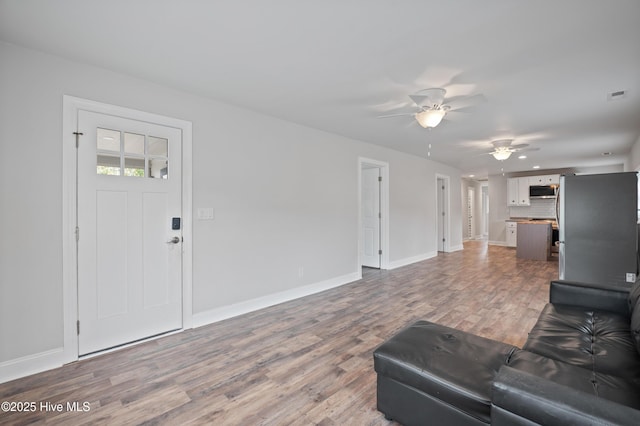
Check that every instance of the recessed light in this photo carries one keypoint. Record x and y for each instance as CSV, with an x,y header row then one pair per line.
x,y
536,167
522,157
471,175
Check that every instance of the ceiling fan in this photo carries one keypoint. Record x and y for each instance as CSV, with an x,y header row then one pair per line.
x,y
431,106
502,149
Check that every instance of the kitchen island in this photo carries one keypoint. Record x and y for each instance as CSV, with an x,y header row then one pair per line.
x,y
534,239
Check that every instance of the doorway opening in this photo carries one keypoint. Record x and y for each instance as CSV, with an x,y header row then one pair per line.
x,y
373,214
443,216
471,225
485,210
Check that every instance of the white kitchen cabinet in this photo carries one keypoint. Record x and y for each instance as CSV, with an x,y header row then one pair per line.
x,y
523,192
552,179
518,192
544,180
537,180
512,192
512,234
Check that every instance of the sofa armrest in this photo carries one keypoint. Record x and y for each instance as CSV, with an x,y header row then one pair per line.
x,y
521,398
600,297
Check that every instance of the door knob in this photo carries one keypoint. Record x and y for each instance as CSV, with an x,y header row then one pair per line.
x,y
174,240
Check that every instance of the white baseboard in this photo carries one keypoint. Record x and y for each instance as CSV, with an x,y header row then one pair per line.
x,y
31,364
456,248
477,237
498,243
230,311
413,259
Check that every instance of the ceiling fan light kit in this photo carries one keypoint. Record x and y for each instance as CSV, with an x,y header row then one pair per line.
x,y
431,106
502,149
501,153
430,117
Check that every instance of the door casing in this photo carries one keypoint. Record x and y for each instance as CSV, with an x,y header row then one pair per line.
x,y
71,107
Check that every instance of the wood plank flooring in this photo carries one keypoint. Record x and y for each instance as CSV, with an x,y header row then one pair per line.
x,y
304,362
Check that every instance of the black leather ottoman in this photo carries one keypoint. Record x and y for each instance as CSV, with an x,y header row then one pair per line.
x,y
432,374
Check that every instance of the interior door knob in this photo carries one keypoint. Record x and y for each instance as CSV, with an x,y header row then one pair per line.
x,y
174,240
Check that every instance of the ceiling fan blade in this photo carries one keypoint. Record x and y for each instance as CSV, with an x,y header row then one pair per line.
x,y
417,99
429,97
404,114
423,100
526,149
459,102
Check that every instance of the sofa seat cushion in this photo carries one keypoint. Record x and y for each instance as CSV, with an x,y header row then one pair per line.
x,y
614,388
596,340
453,366
634,296
635,325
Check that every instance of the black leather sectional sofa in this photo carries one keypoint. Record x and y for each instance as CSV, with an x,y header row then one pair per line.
x,y
579,366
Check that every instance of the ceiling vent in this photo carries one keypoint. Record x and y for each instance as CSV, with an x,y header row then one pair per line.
x,y
614,96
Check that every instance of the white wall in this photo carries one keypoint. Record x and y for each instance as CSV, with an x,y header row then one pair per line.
x,y
284,196
633,164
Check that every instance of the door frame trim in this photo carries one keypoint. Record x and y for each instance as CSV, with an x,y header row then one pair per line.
x,y
71,106
384,210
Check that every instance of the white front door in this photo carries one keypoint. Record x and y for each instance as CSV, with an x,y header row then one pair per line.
x,y
129,245
371,217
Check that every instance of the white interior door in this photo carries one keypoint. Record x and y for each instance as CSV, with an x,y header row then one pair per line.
x,y
129,246
371,217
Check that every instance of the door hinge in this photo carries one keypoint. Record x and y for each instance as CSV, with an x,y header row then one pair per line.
x,y
380,252
78,134
78,327
379,178
77,234
379,215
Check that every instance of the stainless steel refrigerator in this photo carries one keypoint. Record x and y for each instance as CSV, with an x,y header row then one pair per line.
x,y
598,231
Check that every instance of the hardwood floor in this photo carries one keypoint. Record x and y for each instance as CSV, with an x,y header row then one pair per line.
x,y
308,361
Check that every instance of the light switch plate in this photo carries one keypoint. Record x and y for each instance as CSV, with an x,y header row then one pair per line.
x,y
205,213
631,277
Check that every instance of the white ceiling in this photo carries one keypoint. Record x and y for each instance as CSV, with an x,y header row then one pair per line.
x,y
545,67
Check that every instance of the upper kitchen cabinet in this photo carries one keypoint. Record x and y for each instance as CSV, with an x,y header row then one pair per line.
x,y
518,192
553,179
512,192
544,180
